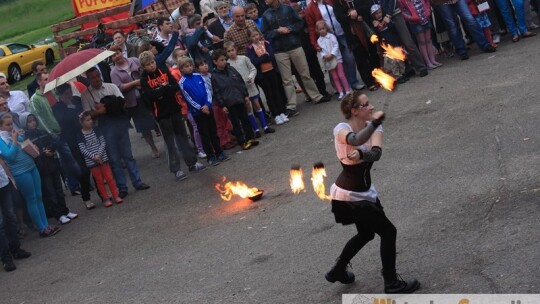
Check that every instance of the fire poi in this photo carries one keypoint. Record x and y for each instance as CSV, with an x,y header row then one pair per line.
x,y
297,179
238,188
317,179
397,53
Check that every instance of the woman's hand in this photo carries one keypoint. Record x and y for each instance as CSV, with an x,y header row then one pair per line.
x,y
379,115
354,155
353,14
15,137
225,110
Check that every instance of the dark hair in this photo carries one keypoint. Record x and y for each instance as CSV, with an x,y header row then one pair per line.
x,y
251,6
200,62
61,89
35,64
218,53
84,115
349,102
250,32
161,20
159,46
184,7
93,69
119,32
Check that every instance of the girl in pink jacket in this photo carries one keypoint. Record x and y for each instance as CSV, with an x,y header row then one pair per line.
x,y
417,13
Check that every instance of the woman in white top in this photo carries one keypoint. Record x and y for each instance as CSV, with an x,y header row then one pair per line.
x,y
358,145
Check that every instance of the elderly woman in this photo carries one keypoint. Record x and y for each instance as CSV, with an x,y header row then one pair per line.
x,y
125,74
358,143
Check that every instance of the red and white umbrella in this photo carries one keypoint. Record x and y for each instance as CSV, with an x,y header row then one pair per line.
x,y
74,65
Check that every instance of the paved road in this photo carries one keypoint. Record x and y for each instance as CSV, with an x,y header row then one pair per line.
x,y
459,178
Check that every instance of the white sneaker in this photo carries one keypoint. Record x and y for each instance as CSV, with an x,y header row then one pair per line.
x,y
180,175
533,26
284,117
279,120
340,97
64,220
496,38
201,155
72,215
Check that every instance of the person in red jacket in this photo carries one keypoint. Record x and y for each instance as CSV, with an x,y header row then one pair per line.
x,y
417,14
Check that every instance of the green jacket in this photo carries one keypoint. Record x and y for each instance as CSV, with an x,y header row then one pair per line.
x,y
40,107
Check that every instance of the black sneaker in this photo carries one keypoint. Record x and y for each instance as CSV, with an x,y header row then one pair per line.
x,y
269,130
423,73
20,254
464,56
257,134
142,186
8,265
122,194
292,113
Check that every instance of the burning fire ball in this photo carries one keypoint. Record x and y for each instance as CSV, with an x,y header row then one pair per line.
x,y
238,188
297,179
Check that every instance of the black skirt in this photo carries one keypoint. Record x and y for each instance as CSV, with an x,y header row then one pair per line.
x,y
347,212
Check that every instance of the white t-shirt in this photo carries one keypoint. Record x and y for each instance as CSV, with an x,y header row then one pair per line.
x,y
342,150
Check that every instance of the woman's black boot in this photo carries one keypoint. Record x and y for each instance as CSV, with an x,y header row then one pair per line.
x,y
393,283
339,273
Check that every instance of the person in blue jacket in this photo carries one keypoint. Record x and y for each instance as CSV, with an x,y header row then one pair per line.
x,y
199,99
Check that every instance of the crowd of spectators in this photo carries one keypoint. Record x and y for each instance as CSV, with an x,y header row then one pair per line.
x,y
214,79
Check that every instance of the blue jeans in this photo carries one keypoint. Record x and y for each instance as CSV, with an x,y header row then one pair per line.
x,y
508,16
349,64
448,13
8,223
119,147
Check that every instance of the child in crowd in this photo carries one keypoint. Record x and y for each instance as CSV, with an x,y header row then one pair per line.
x,y
248,71
331,56
223,124
159,89
388,34
417,13
26,174
482,19
187,10
252,13
199,97
49,169
92,146
192,126
261,54
232,96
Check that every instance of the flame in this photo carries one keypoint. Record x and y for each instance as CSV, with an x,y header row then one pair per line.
x,y
374,39
297,179
239,188
386,81
396,53
317,179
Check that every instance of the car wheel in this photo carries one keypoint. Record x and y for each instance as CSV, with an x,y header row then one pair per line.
x,y
49,57
14,73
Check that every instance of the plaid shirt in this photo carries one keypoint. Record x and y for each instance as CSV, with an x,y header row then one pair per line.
x,y
239,36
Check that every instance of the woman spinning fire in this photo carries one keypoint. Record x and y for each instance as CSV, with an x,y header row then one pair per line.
x,y
354,198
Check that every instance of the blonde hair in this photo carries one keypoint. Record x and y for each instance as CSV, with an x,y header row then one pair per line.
x,y
318,24
146,57
182,61
228,44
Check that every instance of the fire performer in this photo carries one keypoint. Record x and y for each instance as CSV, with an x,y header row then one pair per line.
x,y
358,144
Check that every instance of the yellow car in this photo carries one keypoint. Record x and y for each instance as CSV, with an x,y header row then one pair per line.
x,y
16,59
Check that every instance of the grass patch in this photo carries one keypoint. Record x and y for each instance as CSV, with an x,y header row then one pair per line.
x,y
29,21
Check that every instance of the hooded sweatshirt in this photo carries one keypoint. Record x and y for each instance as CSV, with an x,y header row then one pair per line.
x,y
43,140
158,90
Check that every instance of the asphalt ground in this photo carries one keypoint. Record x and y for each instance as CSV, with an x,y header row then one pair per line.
x,y
459,177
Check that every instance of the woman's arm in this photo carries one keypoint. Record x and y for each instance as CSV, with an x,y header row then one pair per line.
x,y
7,150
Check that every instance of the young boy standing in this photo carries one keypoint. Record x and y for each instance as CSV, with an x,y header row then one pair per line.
x,y
199,98
232,96
158,89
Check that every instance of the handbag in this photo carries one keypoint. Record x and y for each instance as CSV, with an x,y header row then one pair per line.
x,y
30,149
330,64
